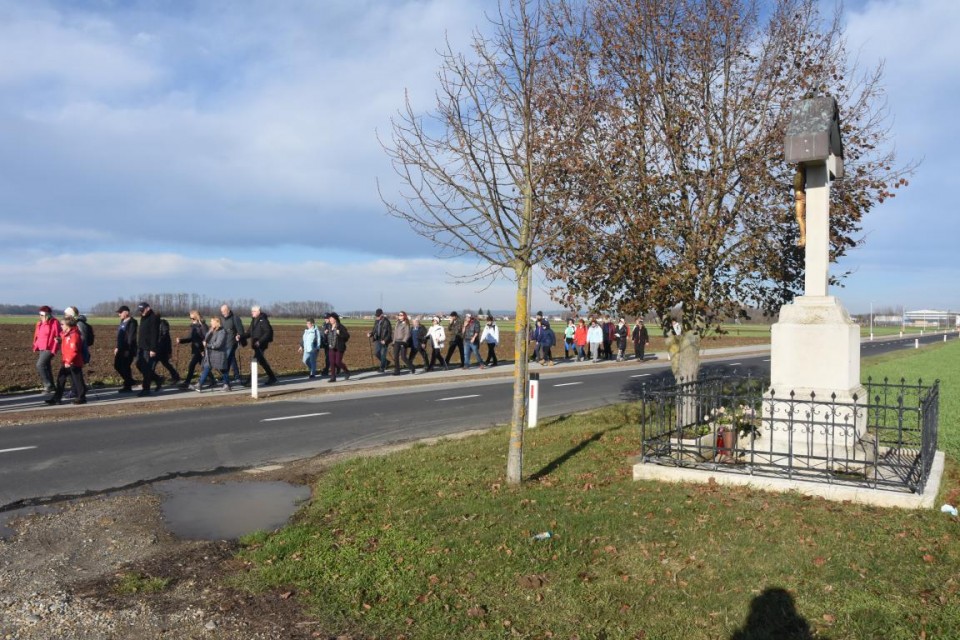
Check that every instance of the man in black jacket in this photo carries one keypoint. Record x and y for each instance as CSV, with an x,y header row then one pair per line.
x,y
260,336
381,336
147,341
126,349
234,328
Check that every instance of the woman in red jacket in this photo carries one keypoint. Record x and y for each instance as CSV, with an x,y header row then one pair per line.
x,y
71,350
580,340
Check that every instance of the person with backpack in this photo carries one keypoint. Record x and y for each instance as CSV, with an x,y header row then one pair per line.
x,y
72,364
260,336
337,338
311,343
125,351
165,351
546,341
198,333
46,343
86,331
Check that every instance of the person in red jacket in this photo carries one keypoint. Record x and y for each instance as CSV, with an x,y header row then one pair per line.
x,y
46,342
72,364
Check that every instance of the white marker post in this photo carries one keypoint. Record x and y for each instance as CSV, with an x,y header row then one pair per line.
x,y
253,378
916,343
533,400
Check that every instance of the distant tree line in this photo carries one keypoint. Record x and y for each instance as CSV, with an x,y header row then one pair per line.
x,y
180,304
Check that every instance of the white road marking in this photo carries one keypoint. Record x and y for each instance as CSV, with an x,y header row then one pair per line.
x,y
767,360
476,395
733,364
567,384
16,449
640,375
306,415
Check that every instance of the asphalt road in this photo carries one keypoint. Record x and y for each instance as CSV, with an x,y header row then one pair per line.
x,y
49,461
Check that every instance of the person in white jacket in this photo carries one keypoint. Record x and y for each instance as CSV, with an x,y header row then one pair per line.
x,y
438,338
595,339
491,337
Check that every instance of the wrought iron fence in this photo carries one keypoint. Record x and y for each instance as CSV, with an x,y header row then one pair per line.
x,y
885,438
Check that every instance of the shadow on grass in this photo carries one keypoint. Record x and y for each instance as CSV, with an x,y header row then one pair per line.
x,y
773,616
556,463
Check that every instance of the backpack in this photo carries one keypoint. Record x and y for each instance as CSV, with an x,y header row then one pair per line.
x,y
164,344
86,339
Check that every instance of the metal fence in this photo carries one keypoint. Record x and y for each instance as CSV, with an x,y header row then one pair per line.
x,y
884,439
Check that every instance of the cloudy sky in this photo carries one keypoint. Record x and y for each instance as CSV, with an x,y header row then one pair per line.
x,y
229,149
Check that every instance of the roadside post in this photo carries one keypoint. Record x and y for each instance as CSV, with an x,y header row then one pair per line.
x,y
533,399
254,375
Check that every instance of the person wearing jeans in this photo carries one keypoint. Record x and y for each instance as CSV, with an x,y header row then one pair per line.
x,y
46,343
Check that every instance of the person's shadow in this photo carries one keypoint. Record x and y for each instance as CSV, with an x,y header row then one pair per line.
x,y
773,616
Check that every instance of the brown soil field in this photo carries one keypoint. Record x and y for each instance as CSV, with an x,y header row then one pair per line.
x,y
20,372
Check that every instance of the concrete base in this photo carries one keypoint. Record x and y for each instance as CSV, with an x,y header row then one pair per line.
x,y
835,492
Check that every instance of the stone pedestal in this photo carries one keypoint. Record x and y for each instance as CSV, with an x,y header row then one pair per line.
x,y
815,411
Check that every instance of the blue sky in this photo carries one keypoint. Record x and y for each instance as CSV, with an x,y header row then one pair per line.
x,y
229,149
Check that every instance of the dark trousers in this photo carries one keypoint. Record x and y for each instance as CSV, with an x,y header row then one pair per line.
x,y
422,351
435,356
607,351
638,350
381,352
195,361
455,345
336,364
232,365
77,383
172,370
400,351
146,365
491,354
123,363
262,361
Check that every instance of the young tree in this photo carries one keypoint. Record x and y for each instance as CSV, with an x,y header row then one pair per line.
x,y
681,182
473,169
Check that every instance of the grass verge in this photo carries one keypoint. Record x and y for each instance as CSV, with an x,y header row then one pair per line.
x,y
432,543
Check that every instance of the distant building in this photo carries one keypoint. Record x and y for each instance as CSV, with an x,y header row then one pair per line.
x,y
930,318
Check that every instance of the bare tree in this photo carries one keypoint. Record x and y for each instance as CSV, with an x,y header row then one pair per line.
x,y
473,169
681,183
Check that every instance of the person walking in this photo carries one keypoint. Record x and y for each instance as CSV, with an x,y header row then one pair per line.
x,y
260,336
620,333
337,338
46,344
437,337
455,330
196,338
125,351
608,338
165,352
381,336
401,342
215,358
418,343
147,340
86,331
471,341
546,340
641,338
234,328
568,344
580,340
71,355
491,337
595,339
310,346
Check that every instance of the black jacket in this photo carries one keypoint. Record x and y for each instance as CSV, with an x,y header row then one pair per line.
x,y
337,337
149,336
260,333
127,337
382,330
233,326
198,331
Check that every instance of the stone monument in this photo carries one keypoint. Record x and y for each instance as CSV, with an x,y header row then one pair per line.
x,y
815,346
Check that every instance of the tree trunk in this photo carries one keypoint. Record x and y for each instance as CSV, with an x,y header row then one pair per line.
x,y
520,345
684,353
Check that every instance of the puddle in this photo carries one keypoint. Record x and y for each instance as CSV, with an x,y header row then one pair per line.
x,y
7,517
203,511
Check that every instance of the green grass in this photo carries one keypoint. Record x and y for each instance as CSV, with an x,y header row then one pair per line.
x,y
432,543
130,583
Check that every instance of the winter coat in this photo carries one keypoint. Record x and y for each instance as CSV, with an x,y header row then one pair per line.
x,y
456,327
437,335
401,333
471,331
260,333
490,335
382,331
337,337
640,335
72,343
233,326
418,337
127,338
594,334
620,334
312,339
216,352
547,337
149,337
198,331
569,332
45,335
580,336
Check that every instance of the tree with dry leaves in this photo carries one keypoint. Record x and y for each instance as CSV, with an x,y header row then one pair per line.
x,y
472,170
681,188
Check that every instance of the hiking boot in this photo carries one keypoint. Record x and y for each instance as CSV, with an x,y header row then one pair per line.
x,y
80,401
159,382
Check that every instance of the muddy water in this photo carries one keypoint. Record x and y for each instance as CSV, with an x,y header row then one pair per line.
x,y
199,510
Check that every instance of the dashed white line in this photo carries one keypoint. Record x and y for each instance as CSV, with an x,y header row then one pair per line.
x,y
640,375
476,395
733,364
567,384
16,449
305,415
767,360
